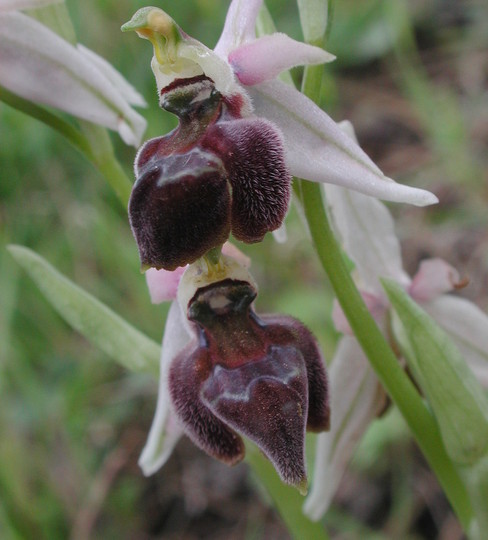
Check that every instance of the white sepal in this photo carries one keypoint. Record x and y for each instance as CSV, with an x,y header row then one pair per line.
x,y
40,66
165,430
356,397
467,325
317,149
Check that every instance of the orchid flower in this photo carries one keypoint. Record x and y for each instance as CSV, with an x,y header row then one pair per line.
x,y
366,230
40,66
227,372
243,69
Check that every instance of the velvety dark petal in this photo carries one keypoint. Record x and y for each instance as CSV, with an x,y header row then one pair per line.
x,y
207,431
318,395
253,155
152,150
179,208
264,377
266,400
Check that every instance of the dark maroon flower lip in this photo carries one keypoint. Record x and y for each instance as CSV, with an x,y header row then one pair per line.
x,y
261,377
215,174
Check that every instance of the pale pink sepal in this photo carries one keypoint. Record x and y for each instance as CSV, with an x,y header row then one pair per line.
x,y
40,66
467,325
433,278
265,58
318,150
165,430
163,284
232,251
376,306
239,27
356,398
366,231
13,5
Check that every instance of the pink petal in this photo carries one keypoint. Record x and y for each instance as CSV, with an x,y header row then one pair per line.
x,y
375,306
265,58
239,25
163,284
433,278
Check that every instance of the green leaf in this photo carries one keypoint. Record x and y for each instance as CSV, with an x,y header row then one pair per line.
x,y
99,324
457,399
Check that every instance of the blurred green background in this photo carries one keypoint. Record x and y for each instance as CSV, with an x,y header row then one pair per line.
x,y
412,77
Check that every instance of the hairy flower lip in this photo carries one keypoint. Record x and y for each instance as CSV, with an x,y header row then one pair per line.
x,y
171,193
230,288
239,162
182,82
258,376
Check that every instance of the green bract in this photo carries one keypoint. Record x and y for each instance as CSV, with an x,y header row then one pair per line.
x,y
457,399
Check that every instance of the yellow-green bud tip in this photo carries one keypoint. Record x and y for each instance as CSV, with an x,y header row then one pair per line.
x,y
150,19
302,487
145,267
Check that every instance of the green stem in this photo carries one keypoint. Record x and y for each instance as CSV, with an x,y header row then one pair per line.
x,y
372,341
43,115
93,142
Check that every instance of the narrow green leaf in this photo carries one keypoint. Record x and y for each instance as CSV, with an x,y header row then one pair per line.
x,y
99,324
457,399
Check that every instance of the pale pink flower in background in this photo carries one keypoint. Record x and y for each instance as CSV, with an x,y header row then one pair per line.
x,y
366,230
